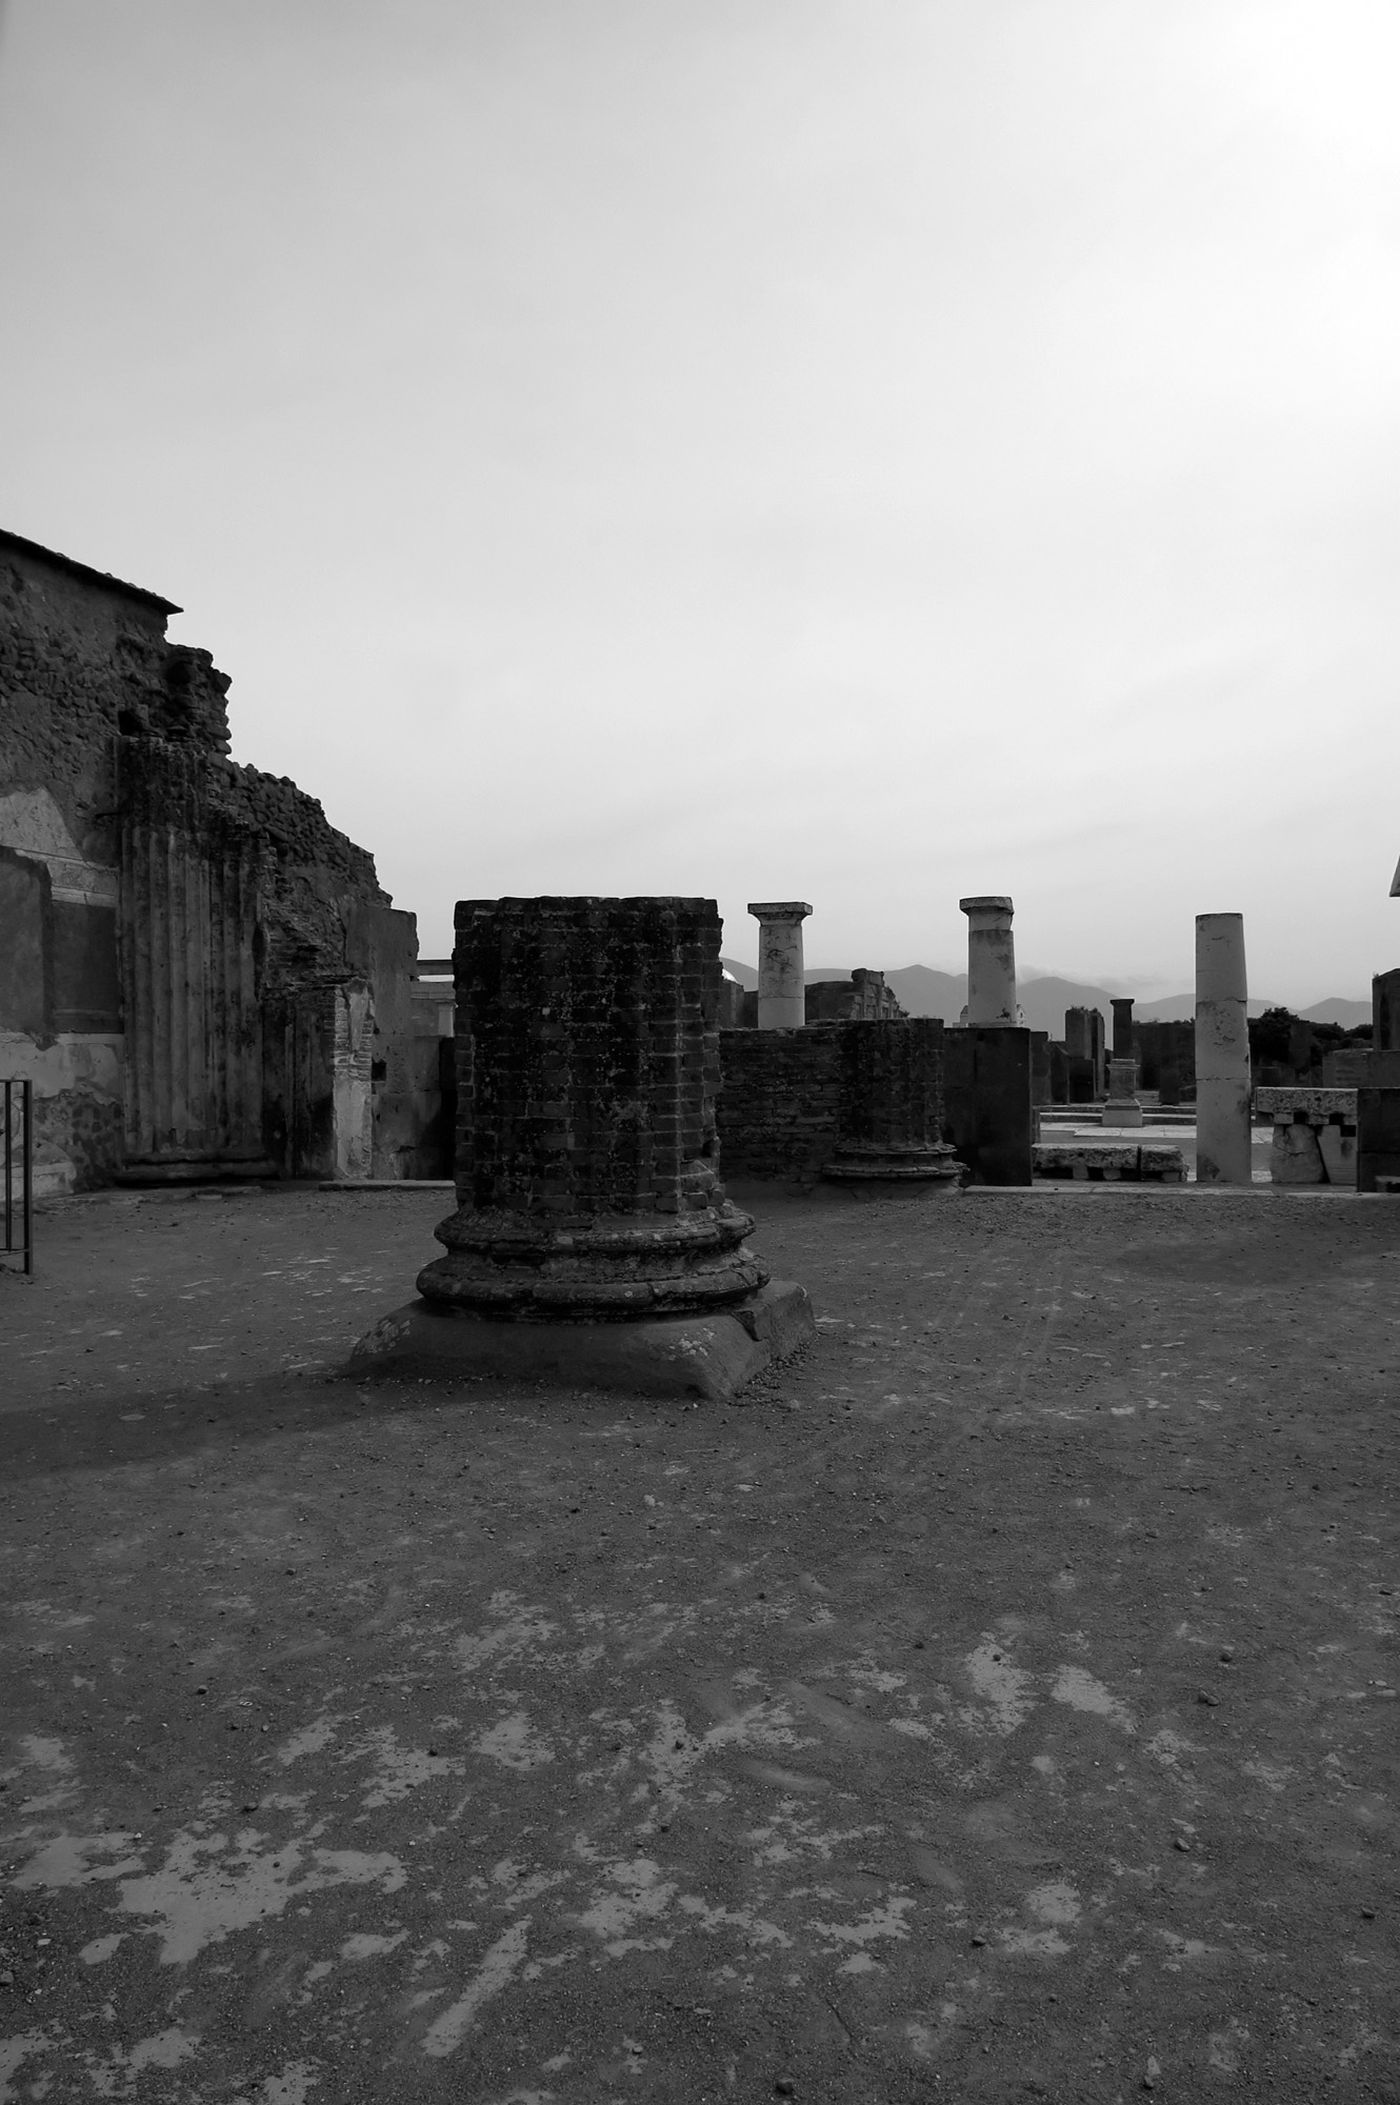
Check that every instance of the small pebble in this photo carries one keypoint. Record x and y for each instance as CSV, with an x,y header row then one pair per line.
x,y
784,2086
1204,1696
1182,1844
1368,1914
977,1942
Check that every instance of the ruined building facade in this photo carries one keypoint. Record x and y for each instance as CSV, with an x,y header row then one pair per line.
x,y
202,976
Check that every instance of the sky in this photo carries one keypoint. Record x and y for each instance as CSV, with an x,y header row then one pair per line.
x,y
863,451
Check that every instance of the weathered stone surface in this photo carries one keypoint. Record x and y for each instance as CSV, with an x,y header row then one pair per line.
x,y
863,998
1222,1052
251,973
782,1003
1316,1106
1109,1162
991,961
709,1354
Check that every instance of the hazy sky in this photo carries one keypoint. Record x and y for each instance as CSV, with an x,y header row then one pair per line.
x,y
866,451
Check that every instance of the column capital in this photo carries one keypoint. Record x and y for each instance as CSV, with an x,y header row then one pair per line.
x,y
985,903
779,909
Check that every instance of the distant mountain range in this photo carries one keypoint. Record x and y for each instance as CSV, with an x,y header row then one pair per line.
x,y
924,992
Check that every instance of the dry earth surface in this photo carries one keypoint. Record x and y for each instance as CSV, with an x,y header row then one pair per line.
x,y
998,1703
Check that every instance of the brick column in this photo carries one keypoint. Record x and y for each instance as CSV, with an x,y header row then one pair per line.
x,y
587,1063
593,1241
891,1106
782,996
991,960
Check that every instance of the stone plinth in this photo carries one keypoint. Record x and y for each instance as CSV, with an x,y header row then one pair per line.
x,y
1222,1052
991,961
891,1115
1110,1162
1315,1134
587,1164
1122,1108
782,995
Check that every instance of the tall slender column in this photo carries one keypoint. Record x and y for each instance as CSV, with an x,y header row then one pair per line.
x,y
782,991
1222,1052
1122,1108
991,960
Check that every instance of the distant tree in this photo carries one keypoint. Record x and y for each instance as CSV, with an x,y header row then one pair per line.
x,y
1271,1036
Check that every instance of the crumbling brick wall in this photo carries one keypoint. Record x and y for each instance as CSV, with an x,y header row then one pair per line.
x,y
91,695
779,1102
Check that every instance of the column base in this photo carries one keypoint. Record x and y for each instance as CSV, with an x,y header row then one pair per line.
x,y
1121,1111
208,1169
709,1356
881,1172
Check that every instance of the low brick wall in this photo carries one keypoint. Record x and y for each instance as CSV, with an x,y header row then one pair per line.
x,y
779,1102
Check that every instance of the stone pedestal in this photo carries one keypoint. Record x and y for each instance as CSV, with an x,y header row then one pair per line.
x,y
991,961
782,987
587,1166
1122,1108
891,1110
1222,1052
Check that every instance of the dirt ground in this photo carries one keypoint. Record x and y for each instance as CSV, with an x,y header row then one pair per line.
x,y
999,1703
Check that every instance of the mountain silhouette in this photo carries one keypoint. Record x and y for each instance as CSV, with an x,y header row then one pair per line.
x,y
921,991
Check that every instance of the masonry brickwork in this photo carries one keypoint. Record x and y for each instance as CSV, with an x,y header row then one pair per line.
x,y
587,1165
188,939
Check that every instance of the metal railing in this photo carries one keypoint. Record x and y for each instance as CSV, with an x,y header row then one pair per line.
x,y
19,1167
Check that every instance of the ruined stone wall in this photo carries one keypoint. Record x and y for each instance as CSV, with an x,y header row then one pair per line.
x,y
864,997
779,1104
249,926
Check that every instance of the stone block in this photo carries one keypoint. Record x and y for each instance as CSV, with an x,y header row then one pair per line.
x,y
1337,1145
1110,1162
709,1356
1295,1157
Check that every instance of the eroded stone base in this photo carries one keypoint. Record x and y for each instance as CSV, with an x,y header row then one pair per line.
x,y
710,1356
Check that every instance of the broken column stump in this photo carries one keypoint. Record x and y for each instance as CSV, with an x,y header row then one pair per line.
x,y
890,1135
593,1243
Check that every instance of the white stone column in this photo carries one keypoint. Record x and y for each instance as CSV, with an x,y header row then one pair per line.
x,y
782,995
1222,1052
991,960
